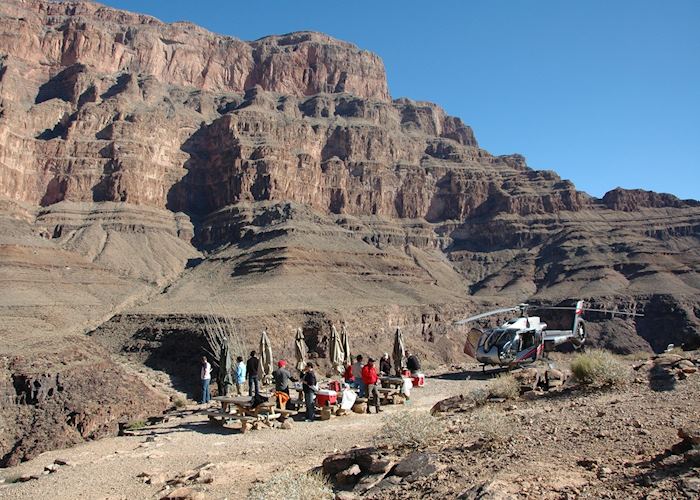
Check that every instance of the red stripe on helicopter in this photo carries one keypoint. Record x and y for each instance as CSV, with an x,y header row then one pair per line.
x,y
529,353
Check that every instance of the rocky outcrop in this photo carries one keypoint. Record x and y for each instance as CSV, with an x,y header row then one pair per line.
x,y
50,36
631,200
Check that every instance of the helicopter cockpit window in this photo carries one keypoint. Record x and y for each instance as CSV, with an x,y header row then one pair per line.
x,y
528,339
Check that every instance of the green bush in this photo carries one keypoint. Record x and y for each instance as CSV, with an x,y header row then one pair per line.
x,y
289,485
505,386
410,429
599,368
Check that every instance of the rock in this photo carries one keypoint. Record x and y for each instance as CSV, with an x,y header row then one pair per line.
x,y
287,424
184,493
531,395
349,475
686,366
368,482
359,408
416,464
345,495
492,490
604,472
64,462
373,463
588,463
156,479
52,468
691,487
690,435
27,477
529,378
692,456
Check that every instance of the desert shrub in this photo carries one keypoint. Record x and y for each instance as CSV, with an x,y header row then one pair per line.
x,y
492,425
638,355
293,486
179,402
135,425
476,396
599,368
410,429
504,386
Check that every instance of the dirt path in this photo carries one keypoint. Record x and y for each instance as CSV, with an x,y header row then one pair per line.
x,y
109,468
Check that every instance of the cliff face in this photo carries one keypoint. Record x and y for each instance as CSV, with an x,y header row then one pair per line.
x,y
151,173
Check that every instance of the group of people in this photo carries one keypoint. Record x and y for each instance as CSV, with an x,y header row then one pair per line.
x,y
363,377
244,371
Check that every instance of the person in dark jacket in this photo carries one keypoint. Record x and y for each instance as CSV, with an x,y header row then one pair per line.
x,y
385,364
252,368
412,363
308,382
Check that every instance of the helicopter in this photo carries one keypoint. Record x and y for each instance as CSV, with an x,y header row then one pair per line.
x,y
524,339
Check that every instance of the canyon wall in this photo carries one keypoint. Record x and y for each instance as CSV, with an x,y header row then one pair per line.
x,y
153,173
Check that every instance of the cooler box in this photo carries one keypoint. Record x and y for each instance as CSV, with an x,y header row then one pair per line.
x,y
326,397
334,385
418,380
406,373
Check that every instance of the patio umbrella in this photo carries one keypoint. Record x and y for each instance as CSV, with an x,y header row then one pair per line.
x,y
265,359
399,352
345,341
336,351
300,349
225,378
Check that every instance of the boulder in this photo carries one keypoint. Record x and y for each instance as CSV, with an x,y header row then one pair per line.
x,y
414,465
359,408
529,378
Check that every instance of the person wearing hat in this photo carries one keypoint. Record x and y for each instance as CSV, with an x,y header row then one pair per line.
x,y
370,379
385,364
281,377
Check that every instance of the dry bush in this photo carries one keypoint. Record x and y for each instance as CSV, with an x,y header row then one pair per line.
x,y
638,355
492,425
504,386
179,402
293,486
599,368
477,396
410,429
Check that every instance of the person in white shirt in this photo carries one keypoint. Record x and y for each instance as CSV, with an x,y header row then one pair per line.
x,y
205,376
357,375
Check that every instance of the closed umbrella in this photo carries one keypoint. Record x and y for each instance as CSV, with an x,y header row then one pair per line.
x,y
265,359
345,340
399,352
300,349
225,379
336,351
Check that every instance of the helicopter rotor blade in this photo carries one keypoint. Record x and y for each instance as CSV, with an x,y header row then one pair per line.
x,y
564,308
613,312
486,314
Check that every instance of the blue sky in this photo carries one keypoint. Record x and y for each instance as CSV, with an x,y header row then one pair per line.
x,y
606,93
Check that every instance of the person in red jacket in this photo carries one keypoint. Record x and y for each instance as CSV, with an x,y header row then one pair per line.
x,y
370,379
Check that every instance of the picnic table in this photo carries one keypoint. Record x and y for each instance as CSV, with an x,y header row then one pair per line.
x,y
390,391
238,409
